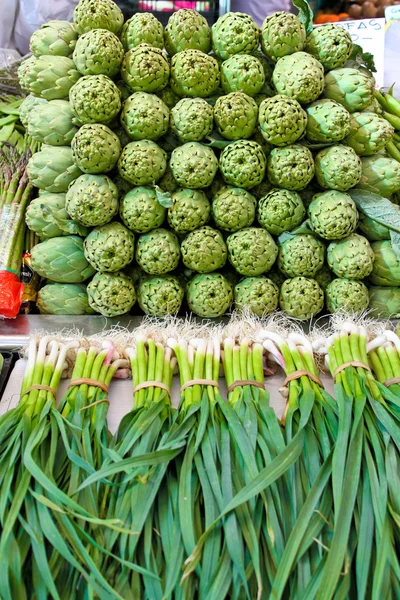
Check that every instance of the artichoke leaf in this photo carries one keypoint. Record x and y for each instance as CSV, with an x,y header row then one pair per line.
x,y
305,14
361,58
377,208
305,227
66,224
314,145
395,241
215,140
163,198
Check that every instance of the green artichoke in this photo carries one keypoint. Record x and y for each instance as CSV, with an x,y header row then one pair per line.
x,y
47,217
330,44
168,96
384,302
282,33
380,175
301,256
50,77
92,200
109,248
98,52
234,33
209,295
158,252
373,230
141,211
386,269
347,296
282,120
190,209
333,215
194,74
351,258
258,294
142,162
233,208
242,73
98,14
280,210
235,116
242,164
291,168
63,299
142,28
337,168
192,119
160,296
194,165
52,168
349,87
95,99
301,298
52,123
251,251
299,76
187,30
111,294
145,117
369,133
61,259
95,149
55,38
323,277
327,121
145,69
27,107
204,250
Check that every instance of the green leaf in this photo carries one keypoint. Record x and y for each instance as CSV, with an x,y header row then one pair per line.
x,y
378,208
305,14
305,227
214,140
363,58
163,198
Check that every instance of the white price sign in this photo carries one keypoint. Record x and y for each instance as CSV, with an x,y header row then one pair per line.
x,y
392,13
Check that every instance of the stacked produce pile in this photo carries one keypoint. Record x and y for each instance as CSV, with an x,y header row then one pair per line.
x,y
237,168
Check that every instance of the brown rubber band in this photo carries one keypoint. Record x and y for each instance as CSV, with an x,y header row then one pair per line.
x,y
148,384
283,417
243,382
85,381
94,403
199,382
391,381
302,373
40,387
353,363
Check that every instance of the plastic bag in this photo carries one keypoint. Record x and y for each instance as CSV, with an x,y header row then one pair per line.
x,y
11,290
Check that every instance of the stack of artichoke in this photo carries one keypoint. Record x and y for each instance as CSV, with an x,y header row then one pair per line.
x,y
186,174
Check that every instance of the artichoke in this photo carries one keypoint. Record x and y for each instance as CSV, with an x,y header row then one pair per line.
x,y
301,298
194,74
187,30
61,259
63,299
55,38
386,268
330,44
98,52
291,168
234,33
384,302
351,258
95,99
327,121
145,117
323,277
145,69
194,165
282,120
233,208
301,256
349,87
92,200
142,162
47,217
251,251
242,73
192,119
168,96
111,294
299,76
333,215
52,168
282,33
346,295
160,296
190,209
280,210
209,295
337,168
109,248
373,230
158,252
141,211
27,107
235,116
98,14
204,250
258,294
142,28
52,123
369,133
50,77
380,175
95,149
242,164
